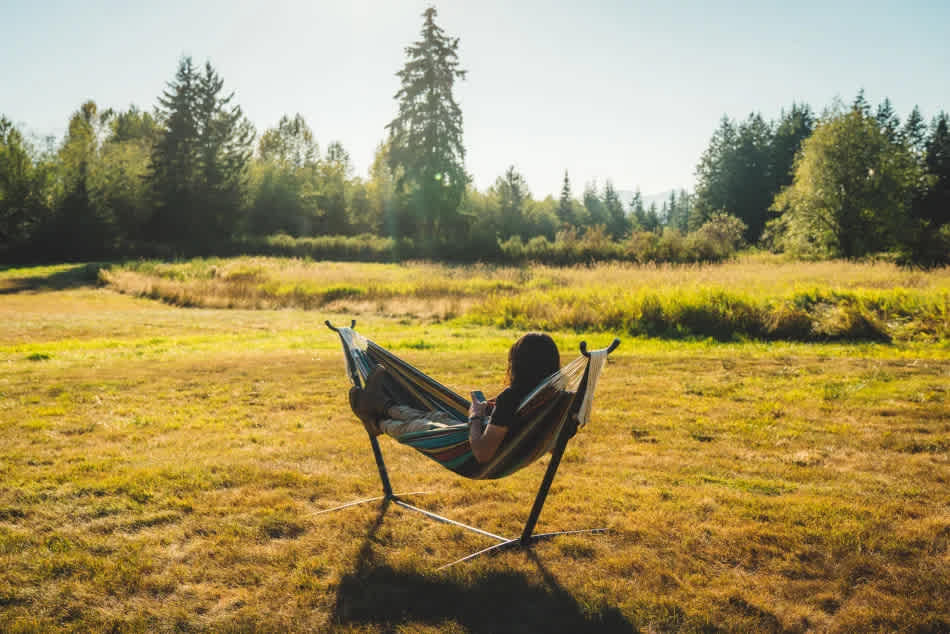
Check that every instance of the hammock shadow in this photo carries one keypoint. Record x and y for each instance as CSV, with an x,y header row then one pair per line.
x,y
504,601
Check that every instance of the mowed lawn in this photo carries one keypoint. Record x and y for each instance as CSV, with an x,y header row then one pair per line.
x,y
164,469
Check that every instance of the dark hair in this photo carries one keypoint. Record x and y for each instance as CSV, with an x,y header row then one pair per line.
x,y
532,358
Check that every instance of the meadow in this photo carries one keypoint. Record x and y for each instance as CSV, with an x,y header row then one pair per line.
x,y
171,432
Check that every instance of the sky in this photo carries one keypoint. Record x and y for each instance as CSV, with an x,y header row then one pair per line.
x,y
628,91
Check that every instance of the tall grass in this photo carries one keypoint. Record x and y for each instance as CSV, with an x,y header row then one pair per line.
x,y
758,297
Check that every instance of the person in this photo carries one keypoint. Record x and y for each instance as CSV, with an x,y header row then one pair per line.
x,y
531,359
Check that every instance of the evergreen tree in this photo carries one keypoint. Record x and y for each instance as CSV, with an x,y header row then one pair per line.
x,y
511,192
617,222
860,104
716,172
888,120
927,241
24,185
426,149
914,133
594,204
224,141
637,212
565,207
653,222
936,207
199,165
735,174
794,126
671,211
175,158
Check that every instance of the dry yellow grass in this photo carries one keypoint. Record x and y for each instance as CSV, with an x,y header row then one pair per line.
x,y
162,469
758,297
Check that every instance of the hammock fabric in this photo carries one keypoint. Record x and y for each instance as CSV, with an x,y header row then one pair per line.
x,y
562,399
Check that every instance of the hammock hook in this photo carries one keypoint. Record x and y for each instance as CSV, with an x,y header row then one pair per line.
x,y
337,330
613,346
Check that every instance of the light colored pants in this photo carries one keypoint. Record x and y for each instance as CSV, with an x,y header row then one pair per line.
x,y
403,419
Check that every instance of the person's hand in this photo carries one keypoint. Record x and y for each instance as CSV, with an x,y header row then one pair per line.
x,y
478,408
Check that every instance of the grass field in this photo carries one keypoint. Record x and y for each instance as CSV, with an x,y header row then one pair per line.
x,y
758,297
164,468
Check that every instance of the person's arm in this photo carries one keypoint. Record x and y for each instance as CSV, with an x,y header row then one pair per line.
x,y
484,438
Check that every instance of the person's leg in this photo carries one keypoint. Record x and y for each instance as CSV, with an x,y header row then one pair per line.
x,y
402,419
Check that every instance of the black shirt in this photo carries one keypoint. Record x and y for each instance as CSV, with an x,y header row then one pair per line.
x,y
503,414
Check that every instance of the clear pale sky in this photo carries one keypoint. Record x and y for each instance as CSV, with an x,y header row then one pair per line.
x,y
629,91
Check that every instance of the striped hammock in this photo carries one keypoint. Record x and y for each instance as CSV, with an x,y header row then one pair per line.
x,y
562,399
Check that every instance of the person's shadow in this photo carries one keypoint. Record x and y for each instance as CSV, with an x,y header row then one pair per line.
x,y
376,593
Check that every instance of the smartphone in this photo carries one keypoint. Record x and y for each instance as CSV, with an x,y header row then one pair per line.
x,y
477,396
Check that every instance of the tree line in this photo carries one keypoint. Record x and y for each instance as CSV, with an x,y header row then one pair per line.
x,y
192,177
851,182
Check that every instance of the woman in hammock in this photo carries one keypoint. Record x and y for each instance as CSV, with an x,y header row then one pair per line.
x,y
531,359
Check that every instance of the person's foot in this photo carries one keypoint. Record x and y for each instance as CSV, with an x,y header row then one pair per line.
x,y
374,393
361,407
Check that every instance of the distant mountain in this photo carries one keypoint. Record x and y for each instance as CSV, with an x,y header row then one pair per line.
x,y
659,198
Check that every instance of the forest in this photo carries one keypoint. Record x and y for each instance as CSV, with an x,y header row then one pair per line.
x,y
191,176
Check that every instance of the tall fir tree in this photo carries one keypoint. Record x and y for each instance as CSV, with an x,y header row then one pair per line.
x,y
617,222
565,205
914,133
199,165
512,195
25,182
793,127
638,214
594,204
425,138
936,208
888,120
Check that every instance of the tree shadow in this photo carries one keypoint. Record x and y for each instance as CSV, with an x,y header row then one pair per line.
x,y
376,593
72,277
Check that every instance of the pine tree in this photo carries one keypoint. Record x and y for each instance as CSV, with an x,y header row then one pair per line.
x,y
637,212
888,120
594,204
860,104
565,206
914,133
511,192
23,187
792,129
936,208
617,223
653,221
199,166
175,157
426,149
224,141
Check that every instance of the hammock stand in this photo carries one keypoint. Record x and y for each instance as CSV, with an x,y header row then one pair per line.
x,y
528,536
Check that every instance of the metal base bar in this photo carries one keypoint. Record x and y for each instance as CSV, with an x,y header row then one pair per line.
x,y
519,543
439,518
367,500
